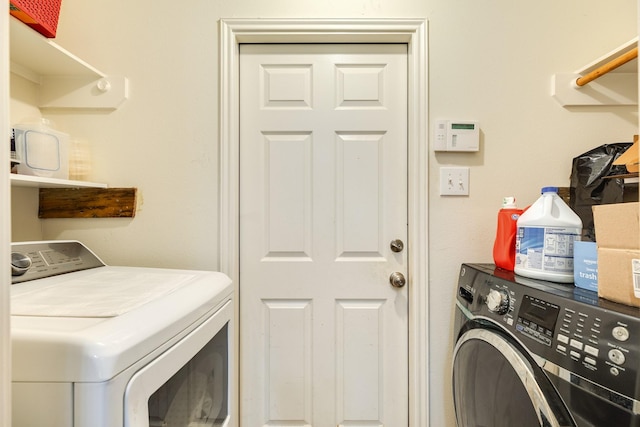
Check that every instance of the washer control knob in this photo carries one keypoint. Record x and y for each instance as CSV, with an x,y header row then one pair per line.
x,y
20,263
497,301
620,333
616,356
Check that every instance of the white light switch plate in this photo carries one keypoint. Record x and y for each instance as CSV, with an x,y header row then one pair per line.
x,y
454,181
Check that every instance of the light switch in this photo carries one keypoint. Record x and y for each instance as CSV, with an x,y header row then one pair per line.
x,y
454,181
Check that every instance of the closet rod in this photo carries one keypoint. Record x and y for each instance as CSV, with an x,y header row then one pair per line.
x,y
609,66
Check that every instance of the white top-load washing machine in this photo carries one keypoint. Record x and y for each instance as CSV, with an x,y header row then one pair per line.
x,y
96,345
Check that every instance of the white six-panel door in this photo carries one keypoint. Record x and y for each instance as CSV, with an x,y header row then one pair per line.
x,y
323,193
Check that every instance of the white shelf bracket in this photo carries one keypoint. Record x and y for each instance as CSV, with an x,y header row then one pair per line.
x,y
610,89
614,80
105,93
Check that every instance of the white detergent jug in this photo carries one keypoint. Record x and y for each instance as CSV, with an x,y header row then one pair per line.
x,y
544,240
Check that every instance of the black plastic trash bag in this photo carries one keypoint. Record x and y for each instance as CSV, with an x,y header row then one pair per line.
x,y
590,185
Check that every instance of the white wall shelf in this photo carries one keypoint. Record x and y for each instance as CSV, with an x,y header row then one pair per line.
x,y
42,182
65,80
618,87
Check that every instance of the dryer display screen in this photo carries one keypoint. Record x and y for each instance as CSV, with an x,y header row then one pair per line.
x,y
537,319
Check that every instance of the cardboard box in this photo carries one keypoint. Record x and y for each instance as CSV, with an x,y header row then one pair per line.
x,y
618,241
630,157
585,265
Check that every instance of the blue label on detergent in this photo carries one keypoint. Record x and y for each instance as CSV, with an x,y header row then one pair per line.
x,y
546,248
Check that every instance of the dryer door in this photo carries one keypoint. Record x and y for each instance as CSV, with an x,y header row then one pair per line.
x,y
188,384
495,384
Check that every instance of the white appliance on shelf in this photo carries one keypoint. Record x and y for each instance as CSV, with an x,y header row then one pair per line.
x,y
105,346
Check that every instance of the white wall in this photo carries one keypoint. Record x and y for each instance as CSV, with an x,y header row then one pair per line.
x,y
489,60
5,282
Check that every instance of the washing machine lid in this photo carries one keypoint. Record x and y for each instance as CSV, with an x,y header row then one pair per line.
x,y
89,325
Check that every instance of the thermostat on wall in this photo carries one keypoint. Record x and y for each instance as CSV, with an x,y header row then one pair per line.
x,y
457,135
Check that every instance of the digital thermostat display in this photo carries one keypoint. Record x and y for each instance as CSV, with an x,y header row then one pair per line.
x,y
456,126
457,135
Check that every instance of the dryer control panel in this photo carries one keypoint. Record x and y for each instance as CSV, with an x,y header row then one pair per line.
x,y
37,260
593,339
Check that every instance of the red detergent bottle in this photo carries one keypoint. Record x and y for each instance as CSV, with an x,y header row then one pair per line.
x,y
504,247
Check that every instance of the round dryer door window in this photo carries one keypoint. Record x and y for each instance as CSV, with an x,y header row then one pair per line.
x,y
497,385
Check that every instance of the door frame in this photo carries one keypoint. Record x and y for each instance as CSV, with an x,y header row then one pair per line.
x,y
413,33
5,230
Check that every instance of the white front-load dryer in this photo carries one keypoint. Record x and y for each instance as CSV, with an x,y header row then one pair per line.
x,y
106,346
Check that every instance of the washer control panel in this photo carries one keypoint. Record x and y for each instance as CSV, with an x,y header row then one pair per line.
x,y
537,318
596,339
599,341
37,260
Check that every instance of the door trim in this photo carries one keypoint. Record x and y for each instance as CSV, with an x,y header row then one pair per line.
x,y
412,32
